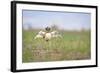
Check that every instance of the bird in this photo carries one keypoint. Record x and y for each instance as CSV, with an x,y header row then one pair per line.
x,y
47,35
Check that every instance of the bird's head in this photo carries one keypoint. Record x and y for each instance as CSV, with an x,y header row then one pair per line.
x,y
47,29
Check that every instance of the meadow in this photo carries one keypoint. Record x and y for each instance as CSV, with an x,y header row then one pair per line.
x,y
74,45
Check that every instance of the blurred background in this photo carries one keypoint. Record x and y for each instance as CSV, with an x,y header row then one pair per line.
x,y
57,20
74,27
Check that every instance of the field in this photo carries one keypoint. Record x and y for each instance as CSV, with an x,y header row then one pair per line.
x,y
74,45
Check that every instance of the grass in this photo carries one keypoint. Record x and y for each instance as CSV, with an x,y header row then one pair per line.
x,y
73,45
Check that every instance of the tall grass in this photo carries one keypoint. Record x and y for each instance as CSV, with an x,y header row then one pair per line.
x,y
73,45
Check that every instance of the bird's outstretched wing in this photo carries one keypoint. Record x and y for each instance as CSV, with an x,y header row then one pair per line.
x,y
41,34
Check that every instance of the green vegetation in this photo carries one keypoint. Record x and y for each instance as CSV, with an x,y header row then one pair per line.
x,y
74,45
